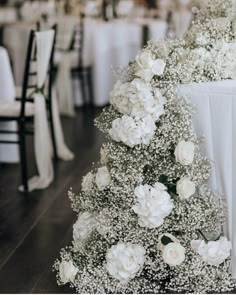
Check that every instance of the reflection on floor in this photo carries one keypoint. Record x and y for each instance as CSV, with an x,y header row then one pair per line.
x,y
34,229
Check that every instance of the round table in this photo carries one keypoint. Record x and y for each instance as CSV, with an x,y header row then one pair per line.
x,y
8,153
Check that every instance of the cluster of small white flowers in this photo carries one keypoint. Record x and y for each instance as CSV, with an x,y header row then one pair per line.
x,y
148,200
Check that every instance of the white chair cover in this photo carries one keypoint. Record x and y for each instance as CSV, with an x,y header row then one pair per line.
x,y
42,139
66,27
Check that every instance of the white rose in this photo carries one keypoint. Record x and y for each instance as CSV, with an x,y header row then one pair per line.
x,y
103,178
174,254
184,152
214,252
153,205
132,131
185,188
83,228
148,67
67,271
124,261
87,182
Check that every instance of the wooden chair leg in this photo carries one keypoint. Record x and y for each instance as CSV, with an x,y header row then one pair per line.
x,y
52,132
23,157
90,87
83,89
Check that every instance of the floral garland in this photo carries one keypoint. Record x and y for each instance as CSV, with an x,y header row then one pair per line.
x,y
145,215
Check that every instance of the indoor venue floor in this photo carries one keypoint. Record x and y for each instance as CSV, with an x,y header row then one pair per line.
x,y
33,229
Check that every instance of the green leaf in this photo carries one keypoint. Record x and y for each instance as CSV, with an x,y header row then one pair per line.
x,y
166,240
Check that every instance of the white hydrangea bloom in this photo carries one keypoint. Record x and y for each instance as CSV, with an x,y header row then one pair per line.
x,y
87,182
137,99
185,188
132,131
103,178
67,272
214,252
147,66
184,152
124,261
153,205
83,228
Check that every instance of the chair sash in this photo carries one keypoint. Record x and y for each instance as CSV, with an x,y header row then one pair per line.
x,y
42,139
64,85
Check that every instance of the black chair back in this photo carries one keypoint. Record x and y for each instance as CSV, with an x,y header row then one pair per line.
x,y
30,72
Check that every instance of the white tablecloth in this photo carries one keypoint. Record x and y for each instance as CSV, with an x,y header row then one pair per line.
x,y
16,39
113,44
216,120
8,153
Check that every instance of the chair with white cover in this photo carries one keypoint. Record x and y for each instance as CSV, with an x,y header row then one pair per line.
x,y
27,112
69,63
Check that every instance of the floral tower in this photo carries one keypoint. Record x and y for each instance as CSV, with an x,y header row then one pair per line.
x,y
147,222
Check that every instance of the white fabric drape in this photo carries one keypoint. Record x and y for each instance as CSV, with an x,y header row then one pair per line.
x,y
64,85
66,27
42,139
63,152
216,119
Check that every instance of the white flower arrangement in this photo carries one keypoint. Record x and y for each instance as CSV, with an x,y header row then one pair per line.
x,y
103,178
124,261
83,227
87,182
213,252
137,99
185,188
184,152
147,66
131,266
132,131
153,205
67,272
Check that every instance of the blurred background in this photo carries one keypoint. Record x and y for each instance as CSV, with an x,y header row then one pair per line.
x,y
114,31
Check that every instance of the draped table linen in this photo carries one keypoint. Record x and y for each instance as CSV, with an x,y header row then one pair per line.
x,y
110,45
216,120
8,152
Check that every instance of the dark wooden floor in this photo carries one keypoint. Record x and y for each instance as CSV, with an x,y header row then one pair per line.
x,y
33,229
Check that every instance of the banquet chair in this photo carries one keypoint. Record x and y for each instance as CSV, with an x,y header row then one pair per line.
x,y
83,71
22,111
79,68
49,91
